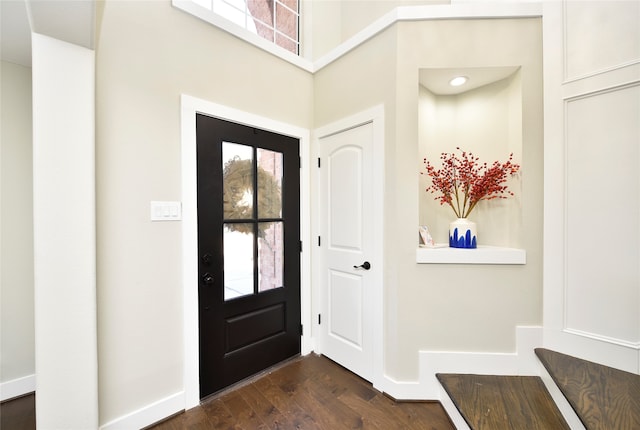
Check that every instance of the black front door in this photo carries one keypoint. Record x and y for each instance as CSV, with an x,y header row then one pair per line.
x,y
249,248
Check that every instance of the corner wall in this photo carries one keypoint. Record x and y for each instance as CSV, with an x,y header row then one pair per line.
x,y
462,307
441,307
17,367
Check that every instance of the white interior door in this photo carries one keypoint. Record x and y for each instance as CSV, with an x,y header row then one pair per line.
x,y
347,245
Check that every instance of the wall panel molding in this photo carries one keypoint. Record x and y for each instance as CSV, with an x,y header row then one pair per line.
x,y
601,298
628,75
599,37
592,75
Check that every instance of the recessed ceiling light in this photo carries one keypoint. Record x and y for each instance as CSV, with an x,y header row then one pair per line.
x,y
458,80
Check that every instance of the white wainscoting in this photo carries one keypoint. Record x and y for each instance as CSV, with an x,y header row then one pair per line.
x,y
602,203
592,181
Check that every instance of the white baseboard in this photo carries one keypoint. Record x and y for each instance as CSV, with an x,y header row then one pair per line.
x,y
149,414
599,350
521,362
17,387
403,390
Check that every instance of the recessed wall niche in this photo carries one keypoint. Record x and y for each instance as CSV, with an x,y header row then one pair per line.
x,y
483,116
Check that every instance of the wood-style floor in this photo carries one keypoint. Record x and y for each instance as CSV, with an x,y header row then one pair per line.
x,y
489,402
310,392
18,414
603,398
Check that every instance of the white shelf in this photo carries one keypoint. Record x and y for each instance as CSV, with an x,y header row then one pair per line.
x,y
480,255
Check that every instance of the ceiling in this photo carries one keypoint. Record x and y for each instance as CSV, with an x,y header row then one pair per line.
x,y
437,80
71,21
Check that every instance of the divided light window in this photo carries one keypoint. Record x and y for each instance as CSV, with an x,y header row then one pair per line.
x,y
274,20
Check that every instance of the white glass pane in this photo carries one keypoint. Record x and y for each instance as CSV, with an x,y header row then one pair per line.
x,y
234,11
238,260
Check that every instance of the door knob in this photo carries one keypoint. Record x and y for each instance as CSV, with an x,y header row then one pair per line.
x,y
366,266
207,279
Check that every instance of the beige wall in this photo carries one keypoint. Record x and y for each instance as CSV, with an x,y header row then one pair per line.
x,y
357,14
479,305
148,54
16,215
333,22
443,307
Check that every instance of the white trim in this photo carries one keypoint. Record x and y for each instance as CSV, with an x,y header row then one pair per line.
x,y
601,351
480,255
453,412
601,338
560,400
149,414
456,10
17,387
189,107
374,116
521,362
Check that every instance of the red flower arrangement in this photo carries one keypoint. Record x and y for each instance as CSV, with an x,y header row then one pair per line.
x,y
463,181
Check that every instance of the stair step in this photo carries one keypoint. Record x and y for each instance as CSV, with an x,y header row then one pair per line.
x,y
604,398
489,402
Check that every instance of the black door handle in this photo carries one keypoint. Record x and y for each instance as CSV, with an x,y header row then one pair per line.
x,y
366,266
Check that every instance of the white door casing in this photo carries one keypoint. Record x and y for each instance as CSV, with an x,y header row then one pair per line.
x,y
350,234
189,107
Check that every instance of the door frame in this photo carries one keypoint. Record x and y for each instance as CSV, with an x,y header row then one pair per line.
x,y
374,116
189,107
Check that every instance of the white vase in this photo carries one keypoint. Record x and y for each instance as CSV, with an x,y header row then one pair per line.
x,y
462,234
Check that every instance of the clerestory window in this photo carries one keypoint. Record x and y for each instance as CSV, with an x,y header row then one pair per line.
x,y
273,20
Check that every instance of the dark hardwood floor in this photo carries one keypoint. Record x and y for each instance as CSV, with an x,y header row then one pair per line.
x,y
603,398
489,402
19,413
310,392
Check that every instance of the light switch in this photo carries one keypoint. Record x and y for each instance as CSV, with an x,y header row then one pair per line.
x,y
166,211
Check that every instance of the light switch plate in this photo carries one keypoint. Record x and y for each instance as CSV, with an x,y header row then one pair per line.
x,y
166,211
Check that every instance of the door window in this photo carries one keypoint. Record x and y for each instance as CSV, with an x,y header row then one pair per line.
x,y
253,225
